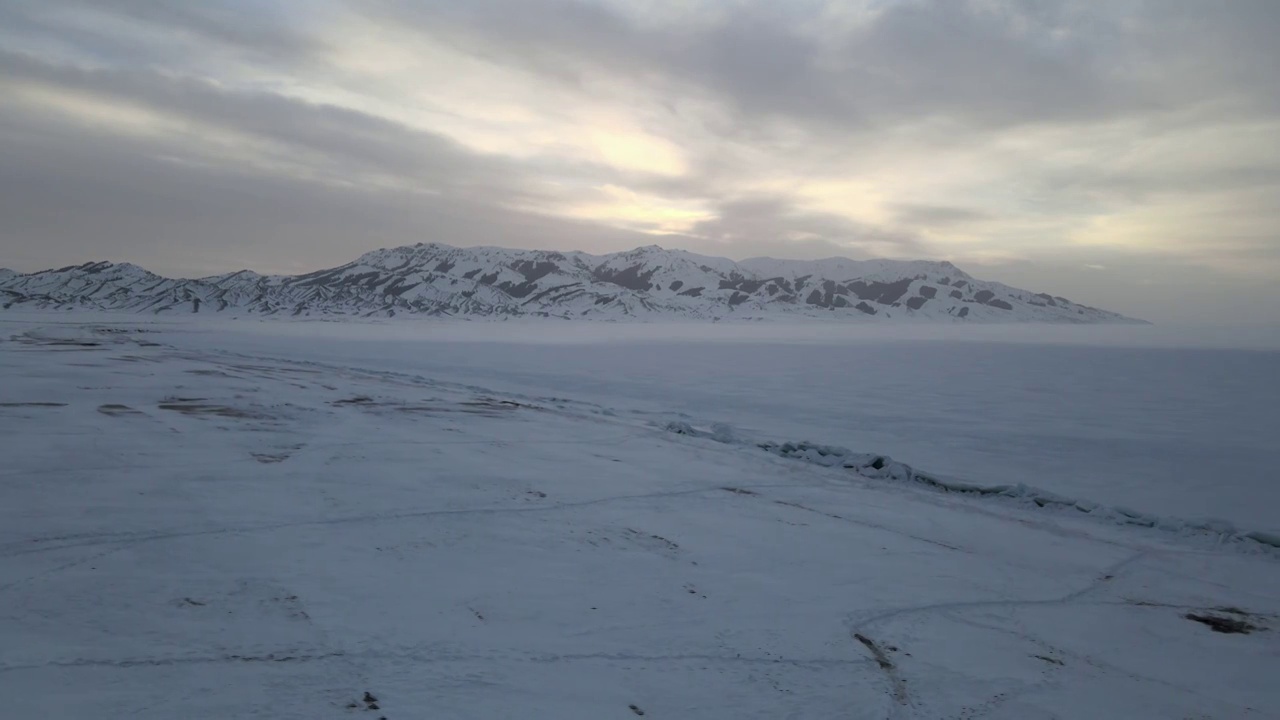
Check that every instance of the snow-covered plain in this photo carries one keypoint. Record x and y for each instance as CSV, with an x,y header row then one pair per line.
x,y
269,519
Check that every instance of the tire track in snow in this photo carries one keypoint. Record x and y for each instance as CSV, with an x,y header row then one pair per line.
x,y
127,539
287,655
60,568
1107,575
898,683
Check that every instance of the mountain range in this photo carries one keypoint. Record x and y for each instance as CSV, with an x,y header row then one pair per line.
x,y
646,283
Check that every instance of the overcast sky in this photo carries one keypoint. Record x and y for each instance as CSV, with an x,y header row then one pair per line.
x,y
1122,153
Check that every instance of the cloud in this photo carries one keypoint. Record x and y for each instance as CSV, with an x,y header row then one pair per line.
x,y
760,225
965,62
203,116
66,196
936,215
160,32
1035,136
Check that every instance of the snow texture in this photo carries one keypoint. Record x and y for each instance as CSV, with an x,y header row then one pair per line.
x,y
880,467
203,522
645,283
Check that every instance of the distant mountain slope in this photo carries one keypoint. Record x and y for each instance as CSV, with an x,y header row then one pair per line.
x,y
648,282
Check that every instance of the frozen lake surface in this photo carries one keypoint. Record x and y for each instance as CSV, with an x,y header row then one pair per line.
x,y
214,519
1166,423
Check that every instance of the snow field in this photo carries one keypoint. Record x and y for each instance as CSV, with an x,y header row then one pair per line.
x,y
194,524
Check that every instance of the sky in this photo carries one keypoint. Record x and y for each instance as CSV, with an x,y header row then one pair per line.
x,y
1122,153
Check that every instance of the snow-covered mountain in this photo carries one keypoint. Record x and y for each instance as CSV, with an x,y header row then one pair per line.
x,y
645,283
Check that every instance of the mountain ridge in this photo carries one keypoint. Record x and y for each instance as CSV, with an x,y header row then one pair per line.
x,y
648,282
